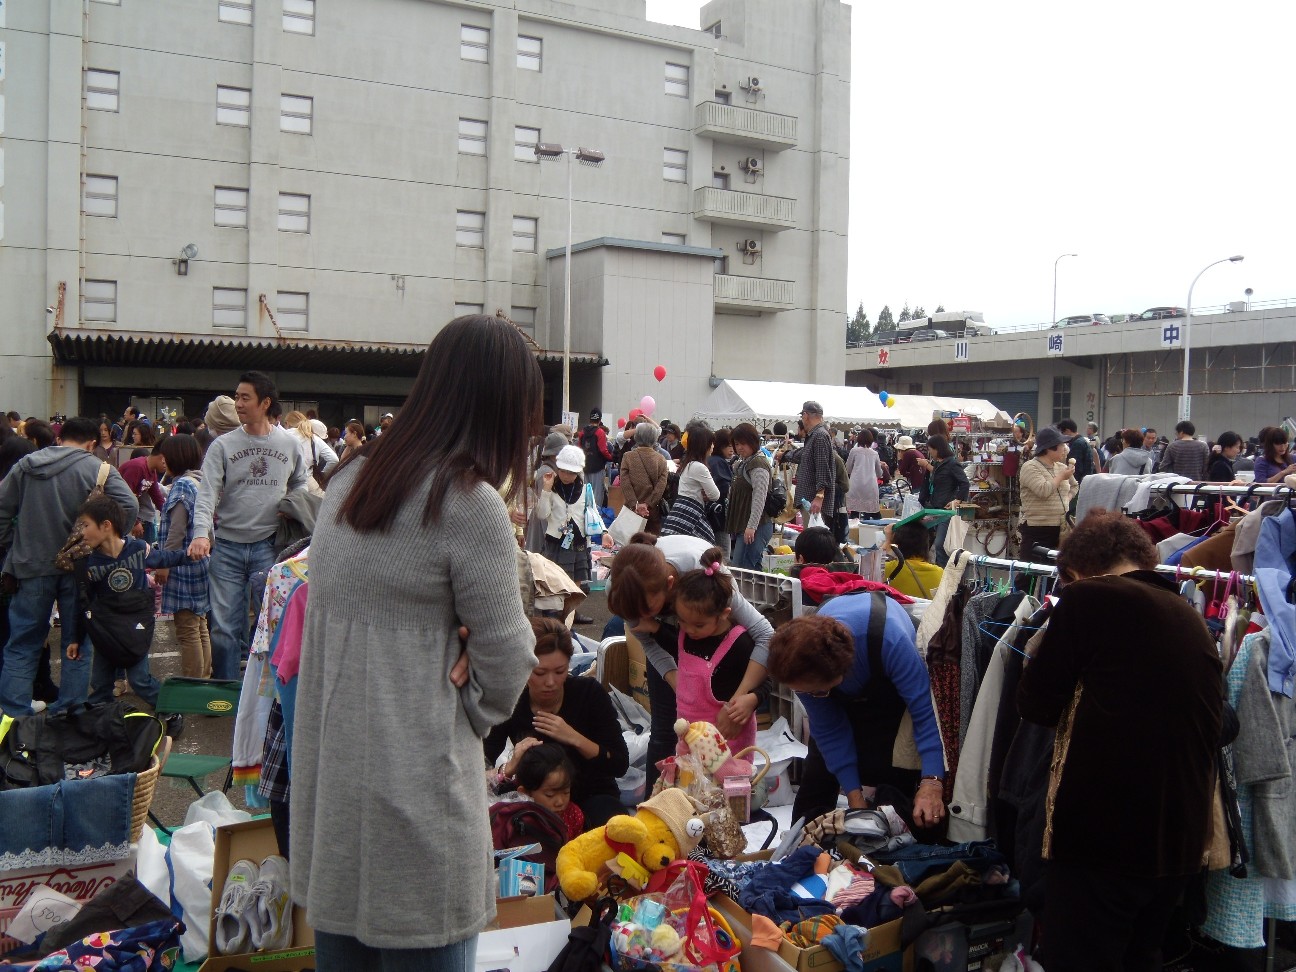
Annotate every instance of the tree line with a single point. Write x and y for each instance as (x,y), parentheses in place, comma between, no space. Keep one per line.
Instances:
(859,330)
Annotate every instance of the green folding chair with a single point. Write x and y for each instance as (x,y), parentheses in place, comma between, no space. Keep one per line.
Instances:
(198,696)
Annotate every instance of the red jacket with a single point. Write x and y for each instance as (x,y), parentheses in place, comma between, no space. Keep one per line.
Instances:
(139,477)
(819,583)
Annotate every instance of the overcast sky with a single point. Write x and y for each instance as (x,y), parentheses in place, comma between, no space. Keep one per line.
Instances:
(1150,138)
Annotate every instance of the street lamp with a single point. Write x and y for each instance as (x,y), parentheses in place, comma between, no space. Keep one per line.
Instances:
(1055,263)
(549,152)
(1185,402)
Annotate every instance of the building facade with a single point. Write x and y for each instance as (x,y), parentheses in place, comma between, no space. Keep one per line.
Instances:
(314,187)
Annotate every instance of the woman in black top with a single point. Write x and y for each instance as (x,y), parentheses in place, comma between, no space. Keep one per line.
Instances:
(577,714)
(1220,467)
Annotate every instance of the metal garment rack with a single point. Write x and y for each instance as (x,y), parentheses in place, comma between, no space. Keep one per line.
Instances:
(1252,491)
(1171,570)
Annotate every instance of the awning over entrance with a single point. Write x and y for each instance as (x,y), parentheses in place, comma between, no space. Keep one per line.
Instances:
(82,346)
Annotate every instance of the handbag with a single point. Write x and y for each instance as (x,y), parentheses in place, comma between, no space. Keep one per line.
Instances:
(594,525)
(74,547)
(718,515)
(626,525)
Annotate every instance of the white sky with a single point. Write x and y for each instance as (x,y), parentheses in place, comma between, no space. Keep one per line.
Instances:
(1149,137)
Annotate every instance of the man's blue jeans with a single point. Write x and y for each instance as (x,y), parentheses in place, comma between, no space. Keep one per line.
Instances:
(230,577)
(29,617)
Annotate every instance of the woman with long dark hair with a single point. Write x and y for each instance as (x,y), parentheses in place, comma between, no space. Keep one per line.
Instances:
(413,550)
(697,488)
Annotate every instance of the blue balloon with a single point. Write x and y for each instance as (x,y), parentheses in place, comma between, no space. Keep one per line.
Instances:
(882,396)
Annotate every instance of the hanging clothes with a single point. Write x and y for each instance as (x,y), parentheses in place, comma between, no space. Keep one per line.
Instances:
(1274,558)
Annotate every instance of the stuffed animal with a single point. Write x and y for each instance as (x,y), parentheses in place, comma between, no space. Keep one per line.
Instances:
(706,744)
(663,829)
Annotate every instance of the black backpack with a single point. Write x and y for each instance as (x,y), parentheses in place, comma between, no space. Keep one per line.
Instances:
(120,623)
(82,742)
(776,496)
(594,458)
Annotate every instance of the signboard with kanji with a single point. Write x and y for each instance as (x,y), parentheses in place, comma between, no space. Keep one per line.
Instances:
(1055,344)
(1171,334)
(884,356)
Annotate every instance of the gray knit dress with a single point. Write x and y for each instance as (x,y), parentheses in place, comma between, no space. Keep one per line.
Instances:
(390,834)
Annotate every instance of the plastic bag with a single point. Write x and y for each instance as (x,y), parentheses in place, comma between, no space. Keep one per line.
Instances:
(911,506)
(214,808)
(593,520)
(816,520)
(181,875)
(626,525)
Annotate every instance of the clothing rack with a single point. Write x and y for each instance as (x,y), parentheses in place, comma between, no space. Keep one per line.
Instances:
(1263,490)
(1170,570)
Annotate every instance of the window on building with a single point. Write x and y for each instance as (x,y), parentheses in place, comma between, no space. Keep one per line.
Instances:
(233,106)
(675,165)
(713,30)
(99,300)
(296,113)
(231,207)
(474,43)
(524,317)
(234,11)
(470,228)
(472,137)
(675,239)
(463,310)
(722,264)
(102,88)
(524,142)
(229,307)
(525,229)
(724,97)
(299,16)
(1061,398)
(294,213)
(915,388)
(292,311)
(529,53)
(677,81)
(720,180)
(100,196)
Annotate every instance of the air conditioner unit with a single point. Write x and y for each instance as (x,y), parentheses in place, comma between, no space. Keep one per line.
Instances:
(748,246)
(751,84)
(752,165)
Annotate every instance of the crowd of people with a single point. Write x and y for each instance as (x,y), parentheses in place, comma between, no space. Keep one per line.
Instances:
(428,698)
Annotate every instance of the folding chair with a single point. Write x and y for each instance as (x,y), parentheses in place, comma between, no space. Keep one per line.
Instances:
(198,696)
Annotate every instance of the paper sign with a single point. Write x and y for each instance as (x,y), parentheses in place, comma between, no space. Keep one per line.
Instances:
(45,909)
(572,420)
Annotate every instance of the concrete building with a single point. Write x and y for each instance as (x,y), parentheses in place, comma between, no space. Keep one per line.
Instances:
(351,174)
(1243,372)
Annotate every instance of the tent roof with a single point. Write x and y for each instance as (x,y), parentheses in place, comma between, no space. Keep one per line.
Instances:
(765,402)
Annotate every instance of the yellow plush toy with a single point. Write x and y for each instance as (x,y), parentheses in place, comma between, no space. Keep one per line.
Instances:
(663,829)
(706,744)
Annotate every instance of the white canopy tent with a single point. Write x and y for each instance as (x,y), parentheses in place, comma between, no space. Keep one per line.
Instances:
(765,402)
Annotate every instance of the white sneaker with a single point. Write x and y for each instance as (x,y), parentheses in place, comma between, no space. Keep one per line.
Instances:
(37,705)
(272,913)
(233,928)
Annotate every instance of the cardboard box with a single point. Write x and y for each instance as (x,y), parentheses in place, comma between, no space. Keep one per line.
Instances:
(777,563)
(255,841)
(964,946)
(526,935)
(79,883)
(883,952)
(637,662)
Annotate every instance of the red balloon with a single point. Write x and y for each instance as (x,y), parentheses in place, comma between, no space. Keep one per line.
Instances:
(635,413)
(659,373)
(621,423)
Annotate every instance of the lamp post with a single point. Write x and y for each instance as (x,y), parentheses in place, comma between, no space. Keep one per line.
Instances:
(1185,402)
(1055,263)
(549,151)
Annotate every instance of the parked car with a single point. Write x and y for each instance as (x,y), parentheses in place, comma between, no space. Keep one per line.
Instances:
(1161,313)
(1082,319)
(930,334)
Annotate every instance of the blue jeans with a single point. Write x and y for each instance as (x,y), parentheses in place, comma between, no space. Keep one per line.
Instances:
(29,617)
(230,577)
(103,673)
(939,557)
(748,555)
(342,953)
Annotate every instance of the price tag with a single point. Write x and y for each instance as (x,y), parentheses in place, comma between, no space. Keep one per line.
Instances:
(45,909)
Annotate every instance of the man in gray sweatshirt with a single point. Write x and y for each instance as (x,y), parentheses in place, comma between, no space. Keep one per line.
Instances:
(39,500)
(245,474)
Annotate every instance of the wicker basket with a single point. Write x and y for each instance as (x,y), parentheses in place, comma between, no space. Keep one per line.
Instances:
(145,784)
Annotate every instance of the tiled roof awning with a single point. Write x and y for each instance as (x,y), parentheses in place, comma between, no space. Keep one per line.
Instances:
(80,346)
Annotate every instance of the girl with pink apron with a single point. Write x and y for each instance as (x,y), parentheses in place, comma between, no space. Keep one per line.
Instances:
(694,695)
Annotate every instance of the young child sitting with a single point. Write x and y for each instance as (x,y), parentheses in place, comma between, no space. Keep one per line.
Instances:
(823,575)
(117,565)
(712,652)
(544,777)
(913,572)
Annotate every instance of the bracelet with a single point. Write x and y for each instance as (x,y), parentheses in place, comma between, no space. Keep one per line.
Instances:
(931,781)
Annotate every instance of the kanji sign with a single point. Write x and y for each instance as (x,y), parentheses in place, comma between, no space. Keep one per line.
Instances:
(1171,334)
(960,350)
(884,356)
(1055,344)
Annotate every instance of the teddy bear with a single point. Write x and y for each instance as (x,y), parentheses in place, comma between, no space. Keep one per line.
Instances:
(663,829)
(706,744)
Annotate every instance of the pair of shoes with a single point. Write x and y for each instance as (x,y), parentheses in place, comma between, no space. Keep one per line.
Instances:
(255,910)
(174,725)
(584,619)
(121,687)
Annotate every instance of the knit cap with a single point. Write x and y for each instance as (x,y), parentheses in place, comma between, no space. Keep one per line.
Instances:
(221,416)
(676,812)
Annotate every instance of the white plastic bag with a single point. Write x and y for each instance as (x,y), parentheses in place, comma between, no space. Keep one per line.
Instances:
(816,520)
(911,506)
(181,876)
(626,525)
(955,534)
(214,808)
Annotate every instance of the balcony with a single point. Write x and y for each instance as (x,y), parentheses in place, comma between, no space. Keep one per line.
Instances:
(750,209)
(746,126)
(748,294)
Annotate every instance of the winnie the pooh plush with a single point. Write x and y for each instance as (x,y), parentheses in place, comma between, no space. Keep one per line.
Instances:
(663,829)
